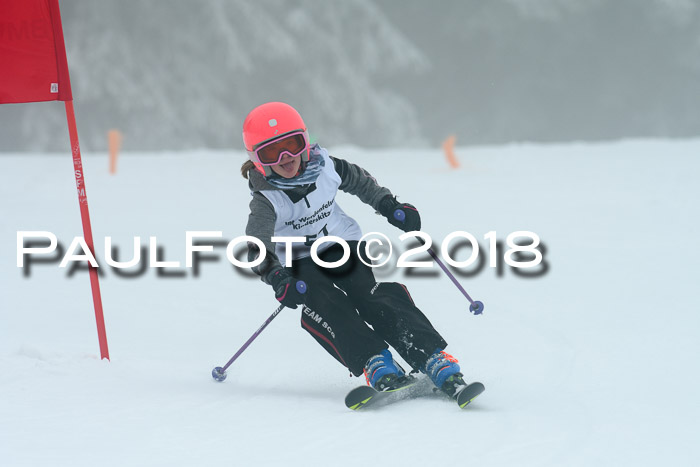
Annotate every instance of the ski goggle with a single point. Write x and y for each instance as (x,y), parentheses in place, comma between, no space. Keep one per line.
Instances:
(271,152)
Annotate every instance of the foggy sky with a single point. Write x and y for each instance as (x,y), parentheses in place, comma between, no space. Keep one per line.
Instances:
(182,74)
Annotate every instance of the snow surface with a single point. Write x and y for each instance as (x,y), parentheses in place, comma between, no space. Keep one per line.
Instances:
(593,363)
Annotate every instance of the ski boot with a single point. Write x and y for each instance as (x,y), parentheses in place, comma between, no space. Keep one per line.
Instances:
(383,374)
(443,370)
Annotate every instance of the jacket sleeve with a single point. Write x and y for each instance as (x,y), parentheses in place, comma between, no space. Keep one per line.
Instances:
(261,225)
(357,181)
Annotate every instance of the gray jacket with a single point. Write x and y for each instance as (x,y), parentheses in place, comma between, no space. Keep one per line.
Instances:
(261,220)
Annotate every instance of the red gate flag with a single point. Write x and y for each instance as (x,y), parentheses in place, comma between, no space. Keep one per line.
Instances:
(33,68)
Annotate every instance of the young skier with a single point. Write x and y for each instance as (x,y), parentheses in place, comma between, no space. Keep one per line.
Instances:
(294,185)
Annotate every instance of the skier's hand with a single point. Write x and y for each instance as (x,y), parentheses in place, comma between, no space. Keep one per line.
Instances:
(286,290)
(411,219)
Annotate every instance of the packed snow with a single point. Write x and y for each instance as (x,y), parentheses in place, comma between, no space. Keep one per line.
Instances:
(591,362)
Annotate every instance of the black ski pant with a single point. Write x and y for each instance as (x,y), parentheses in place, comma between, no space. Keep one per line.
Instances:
(342,303)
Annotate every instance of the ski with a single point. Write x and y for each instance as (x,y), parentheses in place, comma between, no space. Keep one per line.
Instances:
(365,396)
(468,394)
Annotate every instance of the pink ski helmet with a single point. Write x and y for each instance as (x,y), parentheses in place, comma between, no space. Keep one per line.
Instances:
(267,124)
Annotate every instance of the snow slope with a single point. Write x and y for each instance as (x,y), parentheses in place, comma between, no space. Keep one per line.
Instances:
(592,363)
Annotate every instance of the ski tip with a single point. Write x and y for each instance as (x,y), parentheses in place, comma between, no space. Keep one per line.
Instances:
(478,385)
(359,397)
(468,394)
(360,404)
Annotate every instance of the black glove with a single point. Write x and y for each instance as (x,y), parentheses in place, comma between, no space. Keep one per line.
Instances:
(411,219)
(285,287)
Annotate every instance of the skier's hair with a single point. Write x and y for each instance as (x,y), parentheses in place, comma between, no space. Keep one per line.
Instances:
(247,165)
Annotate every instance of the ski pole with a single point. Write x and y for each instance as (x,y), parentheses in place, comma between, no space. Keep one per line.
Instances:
(476,307)
(219,373)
